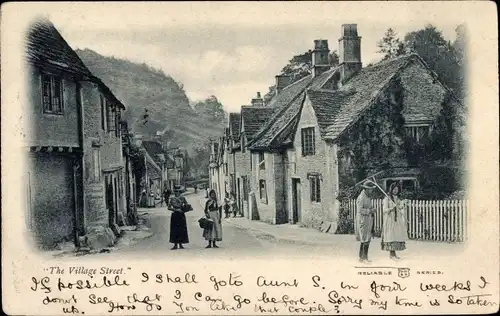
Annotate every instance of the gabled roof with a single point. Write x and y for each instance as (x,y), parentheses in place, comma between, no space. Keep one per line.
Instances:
(234,125)
(253,118)
(49,51)
(326,106)
(358,93)
(278,130)
(154,149)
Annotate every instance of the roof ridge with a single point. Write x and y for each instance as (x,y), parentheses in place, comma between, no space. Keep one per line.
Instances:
(275,116)
(291,119)
(373,97)
(296,82)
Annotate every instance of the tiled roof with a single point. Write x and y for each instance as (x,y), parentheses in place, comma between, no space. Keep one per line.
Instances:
(47,49)
(254,117)
(326,106)
(234,125)
(277,131)
(359,92)
(154,149)
(152,170)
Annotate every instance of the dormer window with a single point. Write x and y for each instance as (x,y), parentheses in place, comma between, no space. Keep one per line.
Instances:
(417,132)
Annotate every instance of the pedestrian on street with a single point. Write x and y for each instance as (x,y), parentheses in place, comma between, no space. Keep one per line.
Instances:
(166,195)
(178,226)
(364,222)
(213,211)
(394,231)
(234,205)
(227,207)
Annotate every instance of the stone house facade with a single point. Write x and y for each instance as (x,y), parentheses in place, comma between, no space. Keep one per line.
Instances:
(309,141)
(305,150)
(75,172)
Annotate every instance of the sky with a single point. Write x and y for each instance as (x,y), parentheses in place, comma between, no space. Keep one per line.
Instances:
(233,50)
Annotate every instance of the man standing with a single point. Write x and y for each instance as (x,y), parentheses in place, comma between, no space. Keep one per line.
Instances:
(364,221)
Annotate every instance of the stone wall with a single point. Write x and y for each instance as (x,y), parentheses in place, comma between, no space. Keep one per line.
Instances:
(51,129)
(52,197)
(322,163)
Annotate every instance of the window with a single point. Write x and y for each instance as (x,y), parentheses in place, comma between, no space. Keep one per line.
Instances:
(52,94)
(96,159)
(417,133)
(117,122)
(308,147)
(262,162)
(407,184)
(263,191)
(110,110)
(103,112)
(315,187)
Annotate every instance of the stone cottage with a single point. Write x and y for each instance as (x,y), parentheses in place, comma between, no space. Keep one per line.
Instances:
(312,148)
(272,146)
(75,172)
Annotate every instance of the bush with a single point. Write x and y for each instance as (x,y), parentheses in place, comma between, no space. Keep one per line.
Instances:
(345,224)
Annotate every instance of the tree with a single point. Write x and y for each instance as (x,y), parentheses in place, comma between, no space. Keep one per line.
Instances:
(438,53)
(200,160)
(390,45)
(212,107)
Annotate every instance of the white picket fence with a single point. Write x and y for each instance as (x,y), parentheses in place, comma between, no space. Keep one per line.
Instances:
(437,220)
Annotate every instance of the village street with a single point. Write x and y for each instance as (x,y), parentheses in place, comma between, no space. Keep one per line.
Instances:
(243,239)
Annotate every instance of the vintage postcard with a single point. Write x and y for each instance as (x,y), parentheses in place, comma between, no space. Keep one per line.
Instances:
(250,158)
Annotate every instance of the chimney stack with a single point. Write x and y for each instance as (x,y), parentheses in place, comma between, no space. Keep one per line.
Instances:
(258,101)
(320,61)
(281,82)
(349,51)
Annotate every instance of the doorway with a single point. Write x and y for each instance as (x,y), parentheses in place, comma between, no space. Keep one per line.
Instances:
(239,194)
(296,198)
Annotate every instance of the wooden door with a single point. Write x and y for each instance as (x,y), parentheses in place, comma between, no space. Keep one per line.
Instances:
(296,200)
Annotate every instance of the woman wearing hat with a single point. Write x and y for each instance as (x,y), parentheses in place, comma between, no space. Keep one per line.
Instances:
(213,211)
(178,226)
(364,222)
(394,231)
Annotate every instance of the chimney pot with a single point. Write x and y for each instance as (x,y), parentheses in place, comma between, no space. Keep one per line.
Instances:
(349,51)
(281,82)
(258,101)
(320,58)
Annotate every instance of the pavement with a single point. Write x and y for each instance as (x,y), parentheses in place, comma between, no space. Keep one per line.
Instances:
(245,239)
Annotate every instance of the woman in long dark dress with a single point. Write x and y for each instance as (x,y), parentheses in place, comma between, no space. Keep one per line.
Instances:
(213,211)
(178,226)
